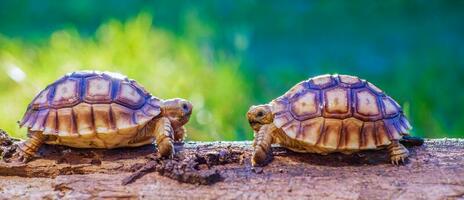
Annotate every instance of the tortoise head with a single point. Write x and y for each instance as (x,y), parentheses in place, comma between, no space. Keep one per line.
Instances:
(177,110)
(259,116)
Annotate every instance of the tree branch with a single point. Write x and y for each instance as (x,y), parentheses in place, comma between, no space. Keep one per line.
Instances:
(223,170)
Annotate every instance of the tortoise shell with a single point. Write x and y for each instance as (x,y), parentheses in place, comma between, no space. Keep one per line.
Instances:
(91,104)
(339,112)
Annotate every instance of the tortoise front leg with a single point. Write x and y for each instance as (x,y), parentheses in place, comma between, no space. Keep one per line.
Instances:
(27,149)
(262,145)
(164,135)
(398,153)
(179,134)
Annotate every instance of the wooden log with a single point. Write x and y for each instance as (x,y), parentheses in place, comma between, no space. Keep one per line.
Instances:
(212,170)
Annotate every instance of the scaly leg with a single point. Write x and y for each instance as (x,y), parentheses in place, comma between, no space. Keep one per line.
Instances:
(398,153)
(27,149)
(262,145)
(164,134)
(179,134)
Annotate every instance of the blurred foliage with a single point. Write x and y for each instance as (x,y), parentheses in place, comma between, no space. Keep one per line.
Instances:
(226,55)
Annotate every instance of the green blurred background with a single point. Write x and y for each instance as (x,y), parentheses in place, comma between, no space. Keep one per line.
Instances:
(226,55)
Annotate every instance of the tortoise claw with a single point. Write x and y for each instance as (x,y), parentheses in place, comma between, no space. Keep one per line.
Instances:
(398,153)
(20,157)
(166,149)
(398,159)
(395,162)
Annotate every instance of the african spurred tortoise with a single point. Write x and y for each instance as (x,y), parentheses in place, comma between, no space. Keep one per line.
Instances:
(330,113)
(90,109)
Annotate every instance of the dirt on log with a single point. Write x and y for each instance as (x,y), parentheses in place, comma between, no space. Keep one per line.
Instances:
(215,170)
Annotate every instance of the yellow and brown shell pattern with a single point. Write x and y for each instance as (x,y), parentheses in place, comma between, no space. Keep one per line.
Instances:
(91,104)
(339,113)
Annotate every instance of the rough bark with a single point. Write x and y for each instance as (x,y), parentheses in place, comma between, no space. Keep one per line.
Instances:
(222,170)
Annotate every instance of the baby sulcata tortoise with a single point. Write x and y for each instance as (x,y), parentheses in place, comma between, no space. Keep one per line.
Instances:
(330,113)
(90,109)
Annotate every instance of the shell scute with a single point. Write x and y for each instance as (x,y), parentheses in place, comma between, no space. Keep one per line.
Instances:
(123,118)
(155,102)
(374,88)
(405,123)
(51,123)
(141,118)
(40,120)
(292,128)
(350,81)
(281,119)
(311,130)
(366,104)
(306,105)
(351,132)
(337,101)
(151,110)
(389,107)
(279,105)
(321,82)
(67,93)
(331,134)
(128,95)
(42,99)
(368,136)
(381,133)
(27,116)
(401,128)
(66,122)
(140,87)
(84,119)
(103,119)
(30,120)
(393,128)
(98,89)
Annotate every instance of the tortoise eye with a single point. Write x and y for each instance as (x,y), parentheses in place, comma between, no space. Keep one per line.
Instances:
(260,114)
(185,107)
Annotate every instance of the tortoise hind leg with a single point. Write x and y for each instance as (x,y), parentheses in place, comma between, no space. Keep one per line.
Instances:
(27,149)
(397,152)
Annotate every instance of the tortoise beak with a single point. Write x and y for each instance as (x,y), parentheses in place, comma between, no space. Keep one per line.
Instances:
(252,122)
(255,124)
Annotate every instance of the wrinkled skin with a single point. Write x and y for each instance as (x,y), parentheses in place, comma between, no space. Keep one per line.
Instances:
(260,119)
(259,116)
(178,112)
